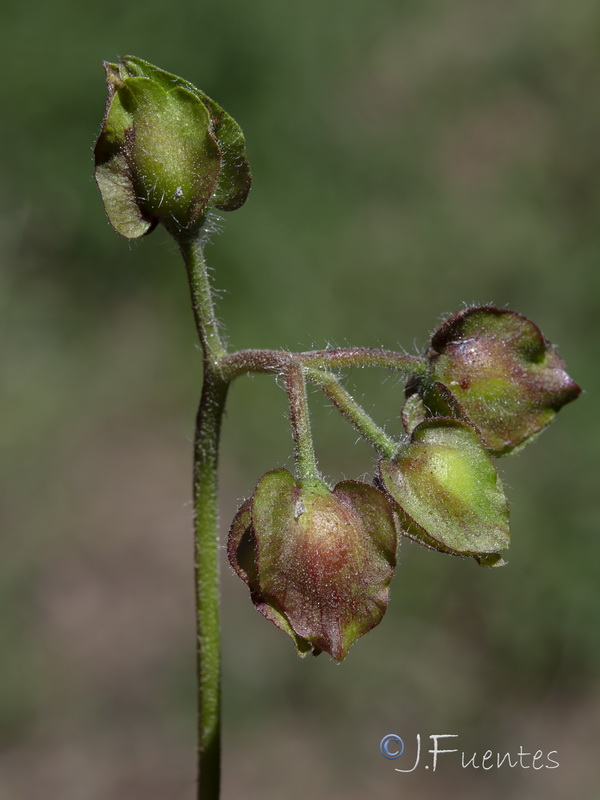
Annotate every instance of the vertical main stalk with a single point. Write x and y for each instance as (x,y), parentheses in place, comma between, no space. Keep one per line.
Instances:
(206,551)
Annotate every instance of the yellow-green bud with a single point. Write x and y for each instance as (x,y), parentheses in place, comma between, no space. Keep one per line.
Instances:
(447,491)
(167,153)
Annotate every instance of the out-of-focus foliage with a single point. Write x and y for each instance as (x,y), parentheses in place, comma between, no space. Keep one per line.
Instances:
(408,157)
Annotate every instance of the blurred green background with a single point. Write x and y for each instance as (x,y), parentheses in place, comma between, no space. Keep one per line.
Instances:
(408,157)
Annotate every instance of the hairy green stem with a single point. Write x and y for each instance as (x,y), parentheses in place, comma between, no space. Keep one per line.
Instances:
(207,324)
(206,524)
(245,362)
(353,412)
(206,551)
(304,453)
(364,357)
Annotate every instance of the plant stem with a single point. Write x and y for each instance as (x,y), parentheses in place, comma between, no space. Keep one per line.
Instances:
(206,551)
(304,453)
(364,357)
(207,324)
(244,362)
(353,412)
(206,523)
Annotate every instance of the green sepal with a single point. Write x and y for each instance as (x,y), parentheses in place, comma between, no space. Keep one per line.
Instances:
(112,172)
(235,178)
(413,412)
(241,551)
(447,491)
(174,156)
(166,153)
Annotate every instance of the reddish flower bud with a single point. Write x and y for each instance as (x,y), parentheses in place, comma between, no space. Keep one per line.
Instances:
(494,369)
(447,491)
(318,563)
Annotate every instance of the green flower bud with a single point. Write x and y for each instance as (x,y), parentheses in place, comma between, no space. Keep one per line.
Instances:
(318,563)
(166,153)
(447,492)
(494,369)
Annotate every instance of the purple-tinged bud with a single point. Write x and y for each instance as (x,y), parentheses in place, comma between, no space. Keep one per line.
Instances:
(494,369)
(318,563)
(447,492)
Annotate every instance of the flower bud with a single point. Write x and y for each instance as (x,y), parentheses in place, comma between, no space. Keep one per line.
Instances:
(447,492)
(166,153)
(318,563)
(494,369)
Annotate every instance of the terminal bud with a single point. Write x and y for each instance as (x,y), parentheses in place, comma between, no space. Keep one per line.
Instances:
(494,369)
(166,152)
(447,492)
(318,562)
